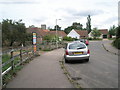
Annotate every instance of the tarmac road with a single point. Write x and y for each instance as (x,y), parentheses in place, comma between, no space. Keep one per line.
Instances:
(100,72)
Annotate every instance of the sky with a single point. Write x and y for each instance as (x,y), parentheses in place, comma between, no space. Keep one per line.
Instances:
(104,13)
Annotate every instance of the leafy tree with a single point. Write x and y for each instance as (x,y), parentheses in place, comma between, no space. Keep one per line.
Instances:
(112,31)
(88,24)
(116,42)
(58,27)
(75,25)
(13,31)
(118,32)
(68,29)
(95,33)
(50,37)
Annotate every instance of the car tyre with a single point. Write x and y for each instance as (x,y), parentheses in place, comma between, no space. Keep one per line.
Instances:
(66,61)
(87,60)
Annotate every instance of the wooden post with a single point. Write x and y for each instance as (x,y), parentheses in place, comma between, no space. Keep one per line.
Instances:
(12,63)
(21,57)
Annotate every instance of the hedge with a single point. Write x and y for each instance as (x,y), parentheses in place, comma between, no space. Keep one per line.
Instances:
(116,43)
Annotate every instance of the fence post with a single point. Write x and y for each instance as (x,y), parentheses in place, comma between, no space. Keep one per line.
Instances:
(21,62)
(12,63)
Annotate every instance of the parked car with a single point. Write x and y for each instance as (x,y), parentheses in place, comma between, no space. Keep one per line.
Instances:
(76,51)
(84,41)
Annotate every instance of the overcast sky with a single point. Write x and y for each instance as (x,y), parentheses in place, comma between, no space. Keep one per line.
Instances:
(104,13)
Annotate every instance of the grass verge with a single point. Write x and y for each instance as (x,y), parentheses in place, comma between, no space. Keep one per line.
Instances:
(75,83)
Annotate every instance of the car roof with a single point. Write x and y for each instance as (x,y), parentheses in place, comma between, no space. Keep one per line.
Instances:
(76,42)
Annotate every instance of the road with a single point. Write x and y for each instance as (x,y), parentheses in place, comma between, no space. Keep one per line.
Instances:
(100,72)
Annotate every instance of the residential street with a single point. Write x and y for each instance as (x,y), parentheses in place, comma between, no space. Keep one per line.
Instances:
(100,72)
(45,72)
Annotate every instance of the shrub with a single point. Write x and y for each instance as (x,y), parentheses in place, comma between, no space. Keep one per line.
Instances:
(94,38)
(116,43)
(68,39)
(89,38)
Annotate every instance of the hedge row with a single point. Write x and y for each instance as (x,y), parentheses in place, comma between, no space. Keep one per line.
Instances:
(116,43)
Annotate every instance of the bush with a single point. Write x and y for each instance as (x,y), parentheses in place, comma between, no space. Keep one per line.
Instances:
(68,39)
(116,43)
(94,38)
(89,38)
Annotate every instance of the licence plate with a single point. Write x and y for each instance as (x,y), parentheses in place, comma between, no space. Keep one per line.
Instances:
(78,52)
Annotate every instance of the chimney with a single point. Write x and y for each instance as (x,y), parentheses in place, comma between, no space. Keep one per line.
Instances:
(43,26)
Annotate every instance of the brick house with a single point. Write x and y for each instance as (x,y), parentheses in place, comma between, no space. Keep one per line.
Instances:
(41,33)
(104,33)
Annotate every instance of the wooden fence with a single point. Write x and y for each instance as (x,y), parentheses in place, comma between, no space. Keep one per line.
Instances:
(14,58)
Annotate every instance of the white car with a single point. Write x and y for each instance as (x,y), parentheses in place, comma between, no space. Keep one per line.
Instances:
(76,51)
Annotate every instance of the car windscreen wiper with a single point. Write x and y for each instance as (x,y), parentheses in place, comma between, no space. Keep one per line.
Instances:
(80,47)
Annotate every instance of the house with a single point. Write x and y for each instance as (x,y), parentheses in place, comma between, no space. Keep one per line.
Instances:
(104,33)
(42,32)
(59,33)
(78,34)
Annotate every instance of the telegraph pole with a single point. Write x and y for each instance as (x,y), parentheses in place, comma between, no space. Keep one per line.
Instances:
(56,34)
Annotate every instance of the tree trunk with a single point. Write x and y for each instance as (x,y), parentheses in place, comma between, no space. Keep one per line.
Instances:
(11,43)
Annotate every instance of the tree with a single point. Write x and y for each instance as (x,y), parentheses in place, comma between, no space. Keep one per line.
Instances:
(95,33)
(75,25)
(13,31)
(58,27)
(116,42)
(118,32)
(88,24)
(68,29)
(112,31)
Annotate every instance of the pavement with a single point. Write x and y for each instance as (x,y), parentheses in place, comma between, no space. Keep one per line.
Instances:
(42,72)
(107,44)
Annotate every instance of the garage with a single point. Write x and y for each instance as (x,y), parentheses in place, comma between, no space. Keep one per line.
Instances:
(104,36)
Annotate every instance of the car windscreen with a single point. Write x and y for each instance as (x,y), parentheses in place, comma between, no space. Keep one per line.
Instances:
(77,46)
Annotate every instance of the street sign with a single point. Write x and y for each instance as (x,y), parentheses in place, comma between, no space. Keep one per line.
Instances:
(34,39)
(34,42)
(35,48)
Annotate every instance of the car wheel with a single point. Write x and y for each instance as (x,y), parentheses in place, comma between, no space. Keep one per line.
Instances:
(66,61)
(87,60)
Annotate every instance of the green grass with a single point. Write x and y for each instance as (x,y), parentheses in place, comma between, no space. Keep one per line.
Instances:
(5,58)
(46,50)
(6,78)
(111,38)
